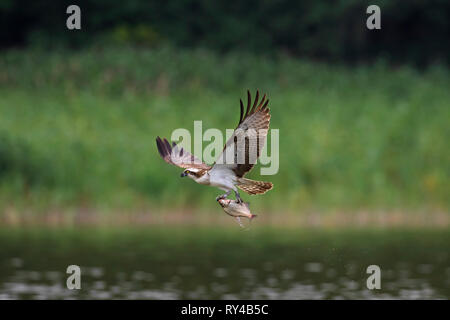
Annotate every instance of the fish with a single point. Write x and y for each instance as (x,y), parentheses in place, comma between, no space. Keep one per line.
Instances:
(236,209)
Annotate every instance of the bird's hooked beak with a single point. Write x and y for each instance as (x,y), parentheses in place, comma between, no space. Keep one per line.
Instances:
(183,174)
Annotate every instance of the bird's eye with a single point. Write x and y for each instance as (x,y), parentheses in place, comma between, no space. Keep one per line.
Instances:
(187,171)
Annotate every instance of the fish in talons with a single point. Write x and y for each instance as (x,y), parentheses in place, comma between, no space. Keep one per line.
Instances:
(236,209)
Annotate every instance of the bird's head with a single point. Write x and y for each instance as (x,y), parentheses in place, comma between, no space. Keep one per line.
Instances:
(191,173)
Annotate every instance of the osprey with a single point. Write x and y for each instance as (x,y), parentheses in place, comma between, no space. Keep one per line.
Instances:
(243,147)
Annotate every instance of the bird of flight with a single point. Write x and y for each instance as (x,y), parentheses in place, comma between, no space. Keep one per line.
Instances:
(237,158)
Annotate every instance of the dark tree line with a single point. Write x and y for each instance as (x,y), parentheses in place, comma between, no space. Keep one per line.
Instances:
(414,31)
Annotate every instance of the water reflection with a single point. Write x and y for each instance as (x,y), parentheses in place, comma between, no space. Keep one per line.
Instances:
(38,272)
(25,284)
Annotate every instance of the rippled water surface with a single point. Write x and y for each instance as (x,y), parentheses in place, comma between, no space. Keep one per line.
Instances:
(187,263)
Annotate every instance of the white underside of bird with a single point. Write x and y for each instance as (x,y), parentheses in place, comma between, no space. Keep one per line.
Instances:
(219,176)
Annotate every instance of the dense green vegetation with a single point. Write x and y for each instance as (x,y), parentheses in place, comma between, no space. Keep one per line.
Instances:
(78,128)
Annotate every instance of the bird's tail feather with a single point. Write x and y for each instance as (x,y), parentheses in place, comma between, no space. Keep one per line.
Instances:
(254,187)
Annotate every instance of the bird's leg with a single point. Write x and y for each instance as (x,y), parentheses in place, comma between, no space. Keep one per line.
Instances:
(238,197)
(223,196)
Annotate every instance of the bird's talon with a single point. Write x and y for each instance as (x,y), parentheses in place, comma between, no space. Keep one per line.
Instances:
(223,196)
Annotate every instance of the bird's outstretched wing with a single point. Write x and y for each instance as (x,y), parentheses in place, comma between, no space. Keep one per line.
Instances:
(245,145)
(176,155)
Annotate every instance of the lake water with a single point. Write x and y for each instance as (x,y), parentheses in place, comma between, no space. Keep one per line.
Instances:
(210,263)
